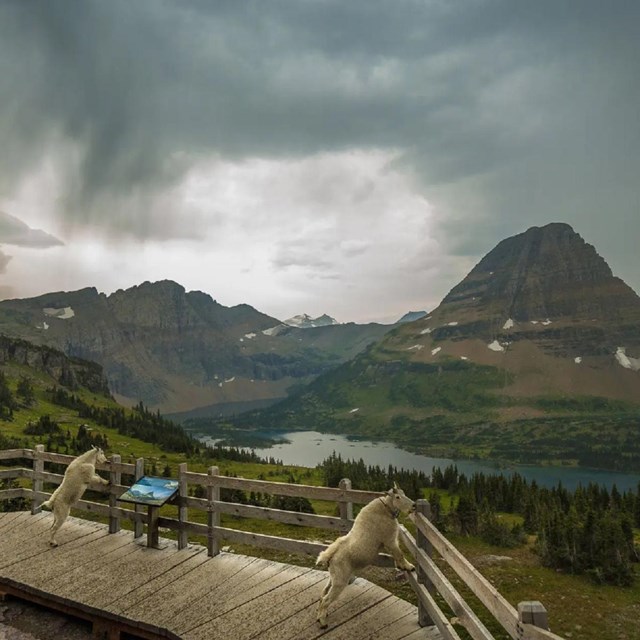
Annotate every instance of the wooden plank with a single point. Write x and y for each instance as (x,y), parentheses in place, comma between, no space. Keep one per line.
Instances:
(27,538)
(284,489)
(36,571)
(272,576)
(373,619)
(7,517)
(430,633)
(183,511)
(81,546)
(275,515)
(38,467)
(15,454)
(439,619)
(15,472)
(168,601)
(213,517)
(350,605)
(186,561)
(287,622)
(242,622)
(103,582)
(115,478)
(458,605)
(406,627)
(90,566)
(490,597)
(10,494)
(269,542)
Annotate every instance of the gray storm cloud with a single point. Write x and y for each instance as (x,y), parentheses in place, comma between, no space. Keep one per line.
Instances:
(509,113)
(16,232)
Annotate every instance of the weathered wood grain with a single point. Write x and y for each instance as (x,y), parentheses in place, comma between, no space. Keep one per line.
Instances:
(121,584)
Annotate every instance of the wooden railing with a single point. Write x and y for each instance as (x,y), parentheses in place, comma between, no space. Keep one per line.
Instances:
(527,622)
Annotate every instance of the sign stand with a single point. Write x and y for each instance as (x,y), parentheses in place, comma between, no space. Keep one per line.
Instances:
(152,492)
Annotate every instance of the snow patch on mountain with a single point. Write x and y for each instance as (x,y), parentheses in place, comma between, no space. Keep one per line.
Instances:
(495,346)
(64,314)
(304,321)
(627,361)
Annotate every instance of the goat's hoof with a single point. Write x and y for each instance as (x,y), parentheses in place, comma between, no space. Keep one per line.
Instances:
(53,544)
(323,625)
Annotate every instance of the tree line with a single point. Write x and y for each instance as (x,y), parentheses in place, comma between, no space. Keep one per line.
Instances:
(587,531)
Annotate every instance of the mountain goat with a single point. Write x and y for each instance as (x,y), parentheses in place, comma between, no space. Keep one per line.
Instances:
(375,528)
(80,473)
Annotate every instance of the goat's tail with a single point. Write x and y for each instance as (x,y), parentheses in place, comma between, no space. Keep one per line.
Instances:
(46,504)
(324,557)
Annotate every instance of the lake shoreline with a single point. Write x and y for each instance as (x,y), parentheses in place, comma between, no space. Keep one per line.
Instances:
(309,448)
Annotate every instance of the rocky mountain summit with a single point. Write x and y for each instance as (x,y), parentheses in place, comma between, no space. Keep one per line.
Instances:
(177,350)
(544,293)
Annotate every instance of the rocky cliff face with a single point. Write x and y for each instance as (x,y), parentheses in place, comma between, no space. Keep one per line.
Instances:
(544,305)
(177,350)
(546,272)
(69,372)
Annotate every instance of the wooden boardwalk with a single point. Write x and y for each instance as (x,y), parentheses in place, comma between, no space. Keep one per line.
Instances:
(121,585)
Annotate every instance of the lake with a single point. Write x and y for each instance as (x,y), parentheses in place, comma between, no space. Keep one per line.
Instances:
(309,448)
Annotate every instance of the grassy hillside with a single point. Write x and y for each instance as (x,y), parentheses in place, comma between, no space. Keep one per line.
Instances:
(457,408)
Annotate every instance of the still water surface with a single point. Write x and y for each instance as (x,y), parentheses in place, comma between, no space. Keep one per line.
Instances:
(309,448)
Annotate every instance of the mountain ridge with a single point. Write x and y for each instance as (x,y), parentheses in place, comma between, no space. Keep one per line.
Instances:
(177,350)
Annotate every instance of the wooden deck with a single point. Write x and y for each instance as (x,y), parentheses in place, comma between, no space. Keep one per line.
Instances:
(121,585)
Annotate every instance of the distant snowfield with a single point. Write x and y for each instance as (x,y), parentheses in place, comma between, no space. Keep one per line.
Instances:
(627,361)
(417,347)
(495,346)
(577,360)
(427,330)
(508,324)
(436,350)
(63,314)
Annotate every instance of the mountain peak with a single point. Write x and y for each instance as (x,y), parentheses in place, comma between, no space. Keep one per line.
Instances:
(543,272)
(305,321)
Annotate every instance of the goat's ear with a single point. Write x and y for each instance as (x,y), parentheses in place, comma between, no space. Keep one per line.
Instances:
(395,486)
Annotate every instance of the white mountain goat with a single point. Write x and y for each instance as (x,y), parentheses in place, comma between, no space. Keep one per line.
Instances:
(79,475)
(375,528)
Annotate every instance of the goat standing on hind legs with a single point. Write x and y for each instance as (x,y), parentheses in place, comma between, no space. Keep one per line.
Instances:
(375,528)
(80,473)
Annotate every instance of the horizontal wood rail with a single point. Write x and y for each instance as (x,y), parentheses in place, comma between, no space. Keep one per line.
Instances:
(527,622)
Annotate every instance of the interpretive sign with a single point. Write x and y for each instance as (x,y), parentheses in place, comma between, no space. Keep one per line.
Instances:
(151,491)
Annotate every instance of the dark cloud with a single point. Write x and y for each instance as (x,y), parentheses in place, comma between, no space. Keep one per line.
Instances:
(16,232)
(508,113)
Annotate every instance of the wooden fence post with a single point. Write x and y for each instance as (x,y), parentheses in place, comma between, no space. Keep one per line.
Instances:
(532,612)
(346,508)
(213,516)
(38,469)
(115,478)
(183,512)
(138,527)
(424,619)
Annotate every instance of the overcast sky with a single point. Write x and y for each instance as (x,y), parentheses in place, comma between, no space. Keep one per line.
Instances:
(354,158)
